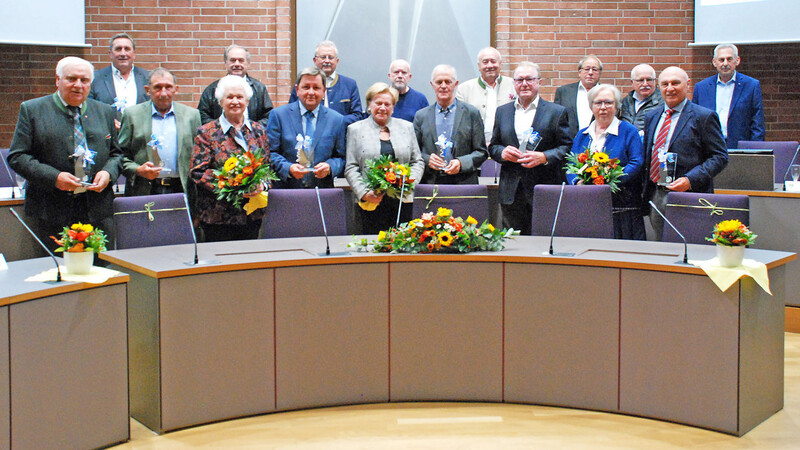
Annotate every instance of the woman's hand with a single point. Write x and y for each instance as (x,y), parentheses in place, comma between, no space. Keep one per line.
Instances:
(372,197)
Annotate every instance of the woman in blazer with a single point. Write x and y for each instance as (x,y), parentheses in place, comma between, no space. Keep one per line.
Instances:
(380,134)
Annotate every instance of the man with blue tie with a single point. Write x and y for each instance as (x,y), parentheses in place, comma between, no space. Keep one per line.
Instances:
(734,96)
(306,139)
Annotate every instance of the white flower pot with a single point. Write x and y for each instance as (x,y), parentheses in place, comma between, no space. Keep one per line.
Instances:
(79,263)
(730,256)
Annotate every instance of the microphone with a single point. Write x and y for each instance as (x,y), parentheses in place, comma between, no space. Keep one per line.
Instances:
(196,261)
(555,220)
(788,168)
(13,179)
(325,229)
(400,206)
(685,245)
(58,269)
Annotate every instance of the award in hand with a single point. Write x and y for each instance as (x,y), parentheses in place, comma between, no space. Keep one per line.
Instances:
(445,147)
(668,163)
(305,154)
(531,139)
(156,146)
(84,161)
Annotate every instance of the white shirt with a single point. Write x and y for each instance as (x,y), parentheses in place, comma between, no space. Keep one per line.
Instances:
(724,97)
(582,105)
(125,89)
(491,108)
(523,119)
(599,141)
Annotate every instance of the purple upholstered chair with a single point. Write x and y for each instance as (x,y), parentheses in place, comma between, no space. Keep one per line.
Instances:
(151,221)
(464,199)
(295,213)
(695,214)
(783,151)
(585,211)
(5,181)
(490,168)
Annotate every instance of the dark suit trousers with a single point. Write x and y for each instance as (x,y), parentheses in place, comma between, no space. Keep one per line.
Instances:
(518,214)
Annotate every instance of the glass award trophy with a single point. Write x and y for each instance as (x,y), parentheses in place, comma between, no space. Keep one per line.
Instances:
(155,146)
(445,147)
(305,154)
(667,168)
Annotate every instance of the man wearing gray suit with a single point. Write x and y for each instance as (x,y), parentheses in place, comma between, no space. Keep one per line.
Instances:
(121,84)
(162,124)
(450,134)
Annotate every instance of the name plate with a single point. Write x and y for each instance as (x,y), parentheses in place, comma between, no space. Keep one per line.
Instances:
(793,186)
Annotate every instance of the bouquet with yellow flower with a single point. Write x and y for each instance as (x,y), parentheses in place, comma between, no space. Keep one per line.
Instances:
(732,233)
(241,174)
(440,232)
(595,167)
(81,237)
(384,174)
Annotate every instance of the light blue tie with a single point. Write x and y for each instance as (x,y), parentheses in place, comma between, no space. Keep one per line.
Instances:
(309,123)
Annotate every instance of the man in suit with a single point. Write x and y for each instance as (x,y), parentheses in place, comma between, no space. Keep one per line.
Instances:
(522,167)
(341,93)
(410,100)
(237,62)
(643,98)
(734,96)
(54,134)
(450,134)
(121,84)
(688,130)
(574,96)
(301,163)
(489,90)
(173,125)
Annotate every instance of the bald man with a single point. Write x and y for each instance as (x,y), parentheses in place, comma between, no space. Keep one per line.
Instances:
(488,91)
(410,100)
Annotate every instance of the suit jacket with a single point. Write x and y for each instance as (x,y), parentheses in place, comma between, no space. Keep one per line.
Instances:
(567,96)
(40,150)
(364,144)
(343,97)
(103,89)
(135,133)
(469,143)
(746,115)
(553,126)
(258,108)
(474,92)
(698,141)
(327,143)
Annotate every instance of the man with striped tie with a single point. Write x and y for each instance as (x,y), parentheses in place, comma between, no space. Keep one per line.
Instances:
(681,129)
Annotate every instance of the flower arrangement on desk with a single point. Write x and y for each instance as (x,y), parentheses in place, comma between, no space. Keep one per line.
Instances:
(241,174)
(595,167)
(81,237)
(732,233)
(440,232)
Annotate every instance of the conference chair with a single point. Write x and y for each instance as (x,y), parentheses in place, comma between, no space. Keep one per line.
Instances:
(490,168)
(783,151)
(151,221)
(585,211)
(464,199)
(695,214)
(5,179)
(295,213)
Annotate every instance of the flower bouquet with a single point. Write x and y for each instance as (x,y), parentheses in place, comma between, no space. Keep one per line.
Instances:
(242,173)
(79,243)
(595,167)
(731,237)
(384,174)
(440,232)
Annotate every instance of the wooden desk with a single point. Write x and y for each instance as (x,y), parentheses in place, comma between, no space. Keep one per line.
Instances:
(621,327)
(63,361)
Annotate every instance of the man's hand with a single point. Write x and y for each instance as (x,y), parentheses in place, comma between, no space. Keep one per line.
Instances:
(100,181)
(148,170)
(682,184)
(297,170)
(511,154)
(67,182)
(436,162)
(453,167)
(322,170)
(532,159)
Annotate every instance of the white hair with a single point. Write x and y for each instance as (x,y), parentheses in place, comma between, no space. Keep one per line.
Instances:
(444,68)
(724,46)
(230,81)
(327,44)
(73,61)
(642,66)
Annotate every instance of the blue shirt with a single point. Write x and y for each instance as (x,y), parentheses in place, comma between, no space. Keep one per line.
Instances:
(724,97)
(445,119)
(314,115)
(165,129)
(408,104)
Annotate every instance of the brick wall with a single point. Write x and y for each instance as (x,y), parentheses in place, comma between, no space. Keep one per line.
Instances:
(188,36)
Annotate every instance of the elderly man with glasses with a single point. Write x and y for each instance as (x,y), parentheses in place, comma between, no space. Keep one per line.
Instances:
(642,98)
(573,96)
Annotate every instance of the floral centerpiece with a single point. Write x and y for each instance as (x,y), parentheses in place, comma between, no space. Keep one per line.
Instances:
(595,167)
(385,175)
(79,243)
(440,232)
(241,174)
(731,237)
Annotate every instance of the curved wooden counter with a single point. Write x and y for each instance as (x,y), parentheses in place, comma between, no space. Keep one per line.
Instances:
(620,327)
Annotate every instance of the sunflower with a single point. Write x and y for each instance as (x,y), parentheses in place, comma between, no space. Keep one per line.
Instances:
(600,157)
(230,164)
(445,238)
(728,226)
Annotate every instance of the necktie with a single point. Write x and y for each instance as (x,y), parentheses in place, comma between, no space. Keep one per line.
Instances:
(80,137)
(661,141)
(309,123)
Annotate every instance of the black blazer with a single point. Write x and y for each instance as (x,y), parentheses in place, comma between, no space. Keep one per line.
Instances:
(258,108)
(567,96)
(103,89)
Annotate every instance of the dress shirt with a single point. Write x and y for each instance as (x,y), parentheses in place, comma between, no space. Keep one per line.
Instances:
(676,114)
(491,106)
(583,107)
(724,97)
(125,89)
(165,128)
(599,141)
(237,134)
(328,83)
(523,119)
(314,115)
(445,120)
(637,101)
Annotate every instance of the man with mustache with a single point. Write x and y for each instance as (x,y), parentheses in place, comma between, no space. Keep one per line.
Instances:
(642,98)
(489,90)
(121,84)
(734,96)
(573,96)
(237,61)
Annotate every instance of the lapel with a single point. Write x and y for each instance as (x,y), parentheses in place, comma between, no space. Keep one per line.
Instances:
(318,130)
(538,120)
(651,130)
(459,115)
(737,91)
(147,122)
(295,121)
(686,115)
(108,82)
(430,126)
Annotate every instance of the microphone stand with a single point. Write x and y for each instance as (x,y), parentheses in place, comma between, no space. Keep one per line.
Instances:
(58,269)
(400,207)
(13,179)
(685,244)
(555,220)
(325,229)
(196,261)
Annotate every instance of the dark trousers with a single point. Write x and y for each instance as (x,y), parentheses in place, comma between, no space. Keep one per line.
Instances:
(384,216)
(220,233)
(518,214)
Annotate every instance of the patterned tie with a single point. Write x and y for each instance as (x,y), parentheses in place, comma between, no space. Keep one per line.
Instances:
(80,137)
(661,141)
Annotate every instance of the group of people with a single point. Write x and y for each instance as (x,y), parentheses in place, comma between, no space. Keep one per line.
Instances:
(71,145)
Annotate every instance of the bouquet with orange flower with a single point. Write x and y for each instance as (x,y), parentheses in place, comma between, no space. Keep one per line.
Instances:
(384,174)
(440,232)
(81,237)
(595,167)
(732,233)
(241,174)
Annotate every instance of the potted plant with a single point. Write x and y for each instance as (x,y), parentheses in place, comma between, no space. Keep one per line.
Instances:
(79,243)
(731,237)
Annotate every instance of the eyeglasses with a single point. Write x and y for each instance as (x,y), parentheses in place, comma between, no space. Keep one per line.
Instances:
(644,80)
(529,80)
(591,69)
(324,57)
(606,103)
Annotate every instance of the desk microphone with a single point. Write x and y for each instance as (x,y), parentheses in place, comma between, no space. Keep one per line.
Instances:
(13,179)
(555,220)
(325,228)
(196,261)
(788,168)
(685,245)
(399,207)
(58,269)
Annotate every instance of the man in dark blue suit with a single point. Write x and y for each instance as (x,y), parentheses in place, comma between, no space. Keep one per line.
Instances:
(121,84)
(692,132)
(298,161)
(341,92)
(522,169)
(734,96)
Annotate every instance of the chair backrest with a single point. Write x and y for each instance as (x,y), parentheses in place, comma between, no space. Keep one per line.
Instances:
(464,199)
(151,221)
(5,179)
(490,168)
(585,211)
(782,150)
(695,214)
(295,213)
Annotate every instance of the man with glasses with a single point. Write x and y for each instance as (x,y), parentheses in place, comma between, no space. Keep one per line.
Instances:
(341,93)
(489,90)
(573,96)
(642,98)
(525,162)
